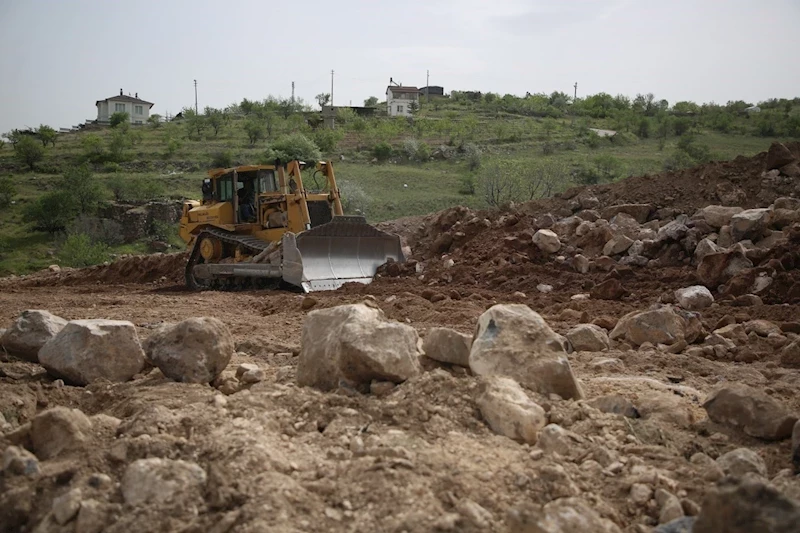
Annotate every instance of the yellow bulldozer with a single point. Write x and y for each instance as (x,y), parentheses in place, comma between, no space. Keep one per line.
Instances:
(258,226)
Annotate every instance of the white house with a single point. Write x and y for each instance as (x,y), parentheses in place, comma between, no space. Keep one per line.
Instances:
(399,100)
(137,109)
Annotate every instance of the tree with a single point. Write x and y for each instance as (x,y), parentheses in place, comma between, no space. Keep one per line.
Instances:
(14,136)
(501,184)
(254,130)
(93,149)
(47,135)
(372,101)
(28,151)
(194,122)
(51,212)
(154,120)
(120,117)
(294,146)
(118,142)
(413,107)
(247,106)
(643,130)
(323,99)
(84,187)
(215,118)
(7,191)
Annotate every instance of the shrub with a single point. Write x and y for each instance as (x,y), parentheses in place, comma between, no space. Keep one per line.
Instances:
(118,143)
(681,125)
(7,191)
(593,139)
(103,230)
(51,212)
(222,159)
(47,135)
(548,148)
(120,117)
(294,146)
(467,185)
(254,130)
(473,155)
(410,147)
(78,250)
(135,190)
(423,152)
(81,184)
(382,151)
(327,140)
(111,167)
(154,120)
(93,149)
(171,146)
(28,151)
(643,129)
(354,200)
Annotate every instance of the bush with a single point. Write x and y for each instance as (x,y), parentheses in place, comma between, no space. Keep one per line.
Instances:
(28,151)
(120,117)
(111,167)
(467,186)
(222,159)
(118,143)
(354,200)
(171,146)
(294,146)
(254,130)
(548,148)
(604,168)
(135,190)
(681,125)
(382,151)
(78,250)
(47,135)
(93,149)
(410,147)
(103,230)
(593,139)
(7,191)
(51,212)
(327,140)
(84,188)
(423,152)
(643,129)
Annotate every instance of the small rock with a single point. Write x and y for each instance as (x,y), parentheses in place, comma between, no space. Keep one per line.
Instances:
(30,332)
(514,341)
(751,410)
(92,517)
(580,264)
(716,269)
(750,224)
(66,506)
(253,376)
(640,493)
(381,388)
(157,480)
(59,430)
(547,241)
(640,212)
(554,438)
(742,461)
(85,351)
(610,289)
(662,325)
(308,302)
(694,298)
(790,355)
(671,508)
(588,338)
(705,247)
(717,216)
(195,350)
(477,515)
(55,269)
(18,461)
(617,245)
(509,411)
(544,288)
(447,346)
(563,515)
(615,404)
(244,368)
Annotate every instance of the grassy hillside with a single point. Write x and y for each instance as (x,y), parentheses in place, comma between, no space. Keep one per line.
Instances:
(472,149)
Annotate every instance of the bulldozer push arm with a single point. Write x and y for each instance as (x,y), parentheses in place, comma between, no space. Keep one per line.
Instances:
(299,237)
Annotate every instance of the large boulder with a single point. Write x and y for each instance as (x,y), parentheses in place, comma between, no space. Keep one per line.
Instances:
(195,350)
(750,224)
(509,411)
(617,245)
(156,481)
(742,461)
(717,216)
(715,269)
(547,241)
(32,329)
(355,343)
(778,156)
(694,298)
(641,212)
(563,515)
(747,506)
(90,350)
(658,326)
(588,338)
(59,430)
(754,412)
(705,247)
(514,341)
(447,346)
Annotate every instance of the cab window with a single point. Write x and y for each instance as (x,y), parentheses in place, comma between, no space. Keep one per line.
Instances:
(266,181)
(225,188)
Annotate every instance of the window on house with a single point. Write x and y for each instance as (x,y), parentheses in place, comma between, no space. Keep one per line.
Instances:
(119,107)
(399,109)
(138,110)
(138,122)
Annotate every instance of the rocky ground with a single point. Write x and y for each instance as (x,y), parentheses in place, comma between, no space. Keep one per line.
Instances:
(620,358)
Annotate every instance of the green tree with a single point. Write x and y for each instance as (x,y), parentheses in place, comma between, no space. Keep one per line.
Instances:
(327,139)
(14,136)
(154,120)
(78,251)
(93,149)
(194,123)
(7,191)
(294,146)
(372,101)
(28,151)
(643,129)
(120,117)
(254,130)
(216,118)
(118,143)
(47,135)
(247,106)
(84,187)
(51,212)
(681,125)
(323,99)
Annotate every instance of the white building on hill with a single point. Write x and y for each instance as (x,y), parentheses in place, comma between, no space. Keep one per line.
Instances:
(138,109)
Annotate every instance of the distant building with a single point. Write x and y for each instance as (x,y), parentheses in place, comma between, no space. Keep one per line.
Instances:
(137,109)
(400,100)
(753,109)
(329,113)
(432,90)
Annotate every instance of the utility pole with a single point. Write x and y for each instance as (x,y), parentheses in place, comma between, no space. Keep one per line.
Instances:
(427,86)
(292,93)
(576,92)
(331,87)
(196,112)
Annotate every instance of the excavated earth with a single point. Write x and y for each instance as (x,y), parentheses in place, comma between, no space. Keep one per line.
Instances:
(279,457)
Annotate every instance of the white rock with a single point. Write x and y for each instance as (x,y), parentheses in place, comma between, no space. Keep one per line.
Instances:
(661,325)
(704,248)
(717,216)
(89,350)
(580,263)
(66,506)
(694,298)
(588,338)
(244,368)
(253,376)
(31,331)
(742,461)
(195,350)
(509,411)
(749,224)
(447,346)
(563,515)
(156,480)
(544,288)
(356,343)
(617,245)
(59,430)
(514,341)
(547,241)
(640,493)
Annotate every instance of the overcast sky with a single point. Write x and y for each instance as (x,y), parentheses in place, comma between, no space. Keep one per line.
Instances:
(60,56)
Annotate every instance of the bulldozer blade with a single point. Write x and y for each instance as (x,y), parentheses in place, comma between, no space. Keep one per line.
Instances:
(344,250)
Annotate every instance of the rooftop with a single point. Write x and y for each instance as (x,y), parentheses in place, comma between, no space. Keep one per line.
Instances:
(126,98)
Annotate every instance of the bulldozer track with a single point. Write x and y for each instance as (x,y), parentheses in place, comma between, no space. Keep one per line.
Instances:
(254,246)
